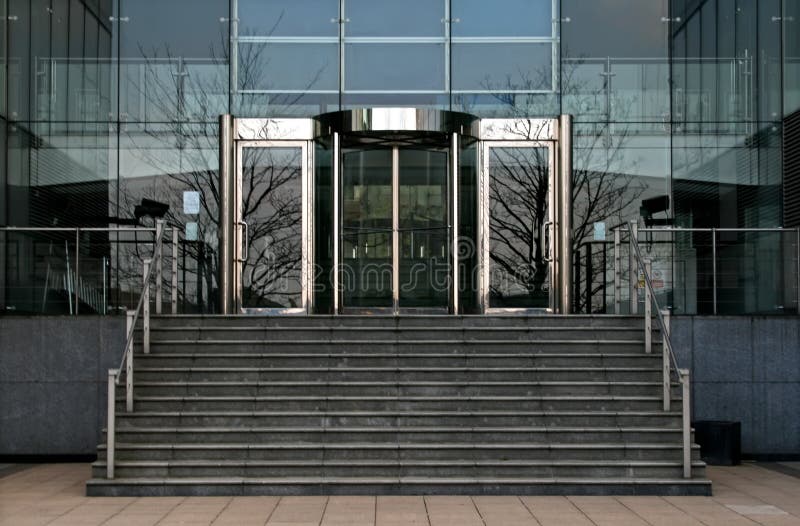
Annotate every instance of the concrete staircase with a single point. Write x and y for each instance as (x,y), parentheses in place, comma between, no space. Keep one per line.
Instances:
(398,405)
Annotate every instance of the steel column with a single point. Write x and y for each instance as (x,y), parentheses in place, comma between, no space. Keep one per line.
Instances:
(226,213)
(686,420)
(159,262)
(130,315)
(110,431)
(564,210)
(634,268)
(665,364)
(146,307)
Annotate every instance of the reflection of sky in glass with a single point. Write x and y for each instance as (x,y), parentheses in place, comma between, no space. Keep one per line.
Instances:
(617,28)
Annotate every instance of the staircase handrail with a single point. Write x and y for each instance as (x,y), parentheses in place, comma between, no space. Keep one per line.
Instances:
(114,375)
(670,361)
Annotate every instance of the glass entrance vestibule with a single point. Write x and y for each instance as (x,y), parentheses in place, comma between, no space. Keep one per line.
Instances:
(395,210)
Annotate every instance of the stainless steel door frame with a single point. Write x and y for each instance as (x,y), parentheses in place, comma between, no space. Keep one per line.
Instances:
(240,226)
(485,223)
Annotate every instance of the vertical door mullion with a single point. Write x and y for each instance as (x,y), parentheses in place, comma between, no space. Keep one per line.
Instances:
(305,291)
(396,230)
(453,179)
(337,231)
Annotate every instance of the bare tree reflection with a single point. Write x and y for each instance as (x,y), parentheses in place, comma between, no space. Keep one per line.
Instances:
(605,185)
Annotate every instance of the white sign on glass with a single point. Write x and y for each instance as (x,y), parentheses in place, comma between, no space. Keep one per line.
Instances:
(191,202)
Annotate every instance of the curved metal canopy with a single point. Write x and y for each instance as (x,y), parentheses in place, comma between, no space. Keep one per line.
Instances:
(378,121)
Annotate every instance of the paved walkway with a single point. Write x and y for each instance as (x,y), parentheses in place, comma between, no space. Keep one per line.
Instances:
(743,495)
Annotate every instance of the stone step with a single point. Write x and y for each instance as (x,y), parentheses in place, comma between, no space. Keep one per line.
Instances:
(398,468)
(305,345)
(330,419)
(317,360)
(399,389)
(324,334)
(464,375)
(430,434)
(403,321)
(402,451)
(397,486)
(598,402)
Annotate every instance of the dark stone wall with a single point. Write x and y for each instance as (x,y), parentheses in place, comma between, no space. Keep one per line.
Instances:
(54,369)
(745,368)
(53,377)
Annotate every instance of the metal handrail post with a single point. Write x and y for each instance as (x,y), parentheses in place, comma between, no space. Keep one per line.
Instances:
(174,291)
(77,265)
(129,363)
(146,307)
(159,263)
(634,270)
(110,427)
(648,320)
(617,271)
(687,437)
(666,381)
(714,267)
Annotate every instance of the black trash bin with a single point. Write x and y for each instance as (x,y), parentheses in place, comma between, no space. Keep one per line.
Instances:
(720,441)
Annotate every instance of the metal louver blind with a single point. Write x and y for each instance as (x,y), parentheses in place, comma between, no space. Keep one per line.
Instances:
(791,170)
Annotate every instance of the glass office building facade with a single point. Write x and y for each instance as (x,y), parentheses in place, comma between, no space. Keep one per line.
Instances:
(108,102)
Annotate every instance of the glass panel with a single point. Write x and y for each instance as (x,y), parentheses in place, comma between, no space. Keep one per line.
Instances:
(503,67)
(519,180)
(468,226)
(394,67)
(382,18)
(791,57)
(323,226)
(19,66)
(366,240)
(295,67)
(174,65)
(424,232)
(507,18)
(272,207)
(279,18)
(162,162)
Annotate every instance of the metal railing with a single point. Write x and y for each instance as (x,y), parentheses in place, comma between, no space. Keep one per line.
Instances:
(76,285)
(669,360)
(734,277)
(132,317)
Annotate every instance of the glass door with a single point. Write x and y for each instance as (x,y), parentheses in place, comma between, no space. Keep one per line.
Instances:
(367,225)
(518,226)
(423,230)
(272,224)
(395,235)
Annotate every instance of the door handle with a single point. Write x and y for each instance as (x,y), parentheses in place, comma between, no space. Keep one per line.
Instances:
(547,250)
(246,235)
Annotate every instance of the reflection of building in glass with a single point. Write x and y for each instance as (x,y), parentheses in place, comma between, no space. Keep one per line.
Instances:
(106,102)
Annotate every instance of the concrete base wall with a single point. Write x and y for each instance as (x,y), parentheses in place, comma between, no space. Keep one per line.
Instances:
(745,368)
(53,373)
(53,377)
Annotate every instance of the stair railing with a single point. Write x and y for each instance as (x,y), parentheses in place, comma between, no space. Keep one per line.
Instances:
(132,316)
(669,361)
